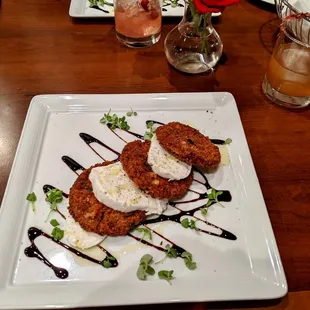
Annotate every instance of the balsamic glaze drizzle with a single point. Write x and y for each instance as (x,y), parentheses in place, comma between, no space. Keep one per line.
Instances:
(88,139)
(33,251)
(72,164)
(96,7)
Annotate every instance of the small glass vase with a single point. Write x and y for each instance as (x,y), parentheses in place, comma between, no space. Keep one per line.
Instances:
(191,48)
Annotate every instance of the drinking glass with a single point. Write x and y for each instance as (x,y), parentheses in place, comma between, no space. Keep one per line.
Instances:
(287,80)
(138,22)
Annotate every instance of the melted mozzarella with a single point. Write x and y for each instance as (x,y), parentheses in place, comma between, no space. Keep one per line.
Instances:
(166,165)
(112,187)
(78,237)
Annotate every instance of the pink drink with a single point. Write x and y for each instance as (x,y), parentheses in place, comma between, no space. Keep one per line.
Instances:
(138,21)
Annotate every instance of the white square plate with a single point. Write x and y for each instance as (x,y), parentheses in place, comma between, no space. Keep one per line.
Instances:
(246,268)
(81,9)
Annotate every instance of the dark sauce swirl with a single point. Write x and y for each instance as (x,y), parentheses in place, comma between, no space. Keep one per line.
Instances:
(33,251)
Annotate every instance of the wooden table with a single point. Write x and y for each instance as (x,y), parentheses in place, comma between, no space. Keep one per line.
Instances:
(42,51)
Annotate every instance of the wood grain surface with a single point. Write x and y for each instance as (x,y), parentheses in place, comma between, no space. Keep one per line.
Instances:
(44,51)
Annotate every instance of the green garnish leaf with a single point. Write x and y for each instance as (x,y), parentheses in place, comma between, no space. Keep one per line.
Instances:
(150,270)
(166,275)
(228,141)
(148,135)
(187,255)
(106,263)
(190,265)
(192,225)
(150,125)
(54,223)
(218,193)
(144,268)
(170,252)
(186,223)
(113,121)
(141,273)
(54,197)
(147,234)
(204,211)
(31,197)
(213,197)
(93,3)
(188,260)
(147,259)
(57,233)
(131,113)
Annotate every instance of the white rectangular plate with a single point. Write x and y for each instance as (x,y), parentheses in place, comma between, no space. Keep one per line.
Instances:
(246,268)
(81,9)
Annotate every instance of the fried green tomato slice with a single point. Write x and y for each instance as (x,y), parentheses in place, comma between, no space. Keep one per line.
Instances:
(188,145)
(134,161)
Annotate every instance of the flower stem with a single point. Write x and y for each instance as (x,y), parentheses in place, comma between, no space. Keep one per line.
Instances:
(205,46)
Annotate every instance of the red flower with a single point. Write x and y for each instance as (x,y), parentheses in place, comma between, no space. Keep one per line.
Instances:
(212,6)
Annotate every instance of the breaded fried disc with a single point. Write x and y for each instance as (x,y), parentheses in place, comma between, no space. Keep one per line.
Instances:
(188,145)
(134,161)
(96,217)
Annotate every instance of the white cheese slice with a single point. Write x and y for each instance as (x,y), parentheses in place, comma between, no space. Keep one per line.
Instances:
(166,165)
(78,237)
(112,187)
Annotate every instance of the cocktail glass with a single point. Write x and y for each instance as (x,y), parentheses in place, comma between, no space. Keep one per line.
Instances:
(138,22)
(287,80)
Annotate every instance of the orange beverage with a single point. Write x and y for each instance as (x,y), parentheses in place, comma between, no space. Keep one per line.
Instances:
(138,22)
(289,71)
(287,79)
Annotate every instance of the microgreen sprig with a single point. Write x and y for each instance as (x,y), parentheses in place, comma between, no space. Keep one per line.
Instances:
(188,260)
(54,197)
(113,121)
(166,275)
(213,197)
(93,3)
(32,198)
(144,268)
(148,135)
(186,223)
(107,262)
(204,211)
(57,232)
(228,141)
(54,223)
(170,252)
(147,234)
(131,113)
